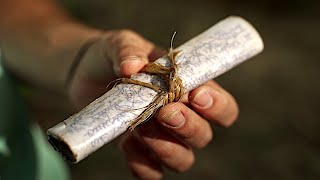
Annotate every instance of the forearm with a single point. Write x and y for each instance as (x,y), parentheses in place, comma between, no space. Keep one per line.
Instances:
(40,41)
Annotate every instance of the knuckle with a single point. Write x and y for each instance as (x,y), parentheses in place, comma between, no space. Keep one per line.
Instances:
(124,33)
(126,50)
(122,37)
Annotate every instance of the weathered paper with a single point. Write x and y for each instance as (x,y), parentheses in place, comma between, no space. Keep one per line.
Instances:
(204,57)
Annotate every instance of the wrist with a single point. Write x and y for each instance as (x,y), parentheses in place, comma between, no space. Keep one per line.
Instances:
(66,41)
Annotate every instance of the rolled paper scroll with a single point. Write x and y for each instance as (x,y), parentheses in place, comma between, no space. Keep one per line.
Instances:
(208,55)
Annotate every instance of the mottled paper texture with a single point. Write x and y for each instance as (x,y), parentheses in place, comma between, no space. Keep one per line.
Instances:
(215,51)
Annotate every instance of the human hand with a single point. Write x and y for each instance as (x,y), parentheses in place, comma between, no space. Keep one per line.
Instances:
(39,54)
(116,53)
(166,140)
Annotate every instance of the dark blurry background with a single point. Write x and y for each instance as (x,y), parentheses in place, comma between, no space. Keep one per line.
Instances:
(278,132)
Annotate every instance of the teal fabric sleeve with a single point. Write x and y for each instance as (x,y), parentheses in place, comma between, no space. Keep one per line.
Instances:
(24,150)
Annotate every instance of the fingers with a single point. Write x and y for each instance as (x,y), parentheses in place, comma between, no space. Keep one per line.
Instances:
(129,52)
(182,128)
(150,146)
(186,124)
(140,160)
(214,103)
(169,150)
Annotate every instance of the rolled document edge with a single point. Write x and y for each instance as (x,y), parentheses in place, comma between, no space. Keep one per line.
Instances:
(233,41)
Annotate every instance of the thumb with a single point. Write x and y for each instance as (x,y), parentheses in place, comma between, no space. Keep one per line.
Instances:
(129,52)
(132,60)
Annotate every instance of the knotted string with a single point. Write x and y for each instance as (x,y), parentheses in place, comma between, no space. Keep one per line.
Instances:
(173,92)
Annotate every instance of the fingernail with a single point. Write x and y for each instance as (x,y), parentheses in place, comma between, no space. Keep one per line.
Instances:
(202,99)
(133,60)
(175,119)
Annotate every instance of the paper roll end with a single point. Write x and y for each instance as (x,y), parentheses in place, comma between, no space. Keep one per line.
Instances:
(63,148)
